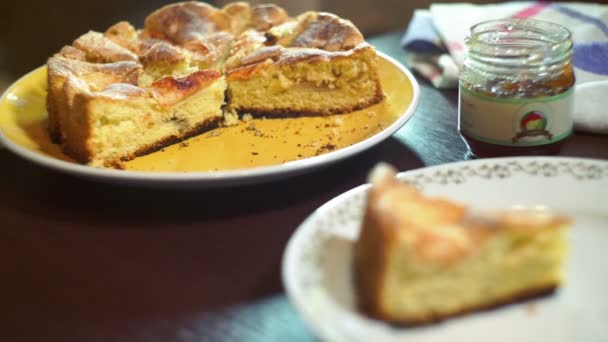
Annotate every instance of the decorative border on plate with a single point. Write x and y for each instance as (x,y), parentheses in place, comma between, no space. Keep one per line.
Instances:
(320,228)
(577,170)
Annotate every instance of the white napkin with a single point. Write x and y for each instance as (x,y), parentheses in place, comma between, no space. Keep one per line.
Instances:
(587,22)
(591,107)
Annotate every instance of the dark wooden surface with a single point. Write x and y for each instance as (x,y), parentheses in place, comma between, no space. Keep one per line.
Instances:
(85,261)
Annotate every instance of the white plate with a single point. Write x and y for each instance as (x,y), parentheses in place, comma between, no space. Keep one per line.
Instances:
(220,178)
(318,259)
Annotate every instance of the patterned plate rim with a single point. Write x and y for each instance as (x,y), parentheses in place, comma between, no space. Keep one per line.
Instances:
(579,169)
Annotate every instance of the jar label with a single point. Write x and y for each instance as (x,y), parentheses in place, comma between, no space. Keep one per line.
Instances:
(515,121)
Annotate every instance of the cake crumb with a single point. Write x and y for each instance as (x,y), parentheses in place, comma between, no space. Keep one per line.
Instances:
(254,153)
(215,133)
(251,127)
(231,117)
(325,148)
(371,114)
(184,144)
(247,117)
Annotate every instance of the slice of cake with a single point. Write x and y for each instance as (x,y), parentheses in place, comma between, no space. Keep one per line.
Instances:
(420,259)
(101,75)
(123,121)
(319,65)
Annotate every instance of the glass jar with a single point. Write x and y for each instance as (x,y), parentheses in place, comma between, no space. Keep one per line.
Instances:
(516,88)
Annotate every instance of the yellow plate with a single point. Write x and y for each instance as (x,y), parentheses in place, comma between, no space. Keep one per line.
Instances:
(258,150)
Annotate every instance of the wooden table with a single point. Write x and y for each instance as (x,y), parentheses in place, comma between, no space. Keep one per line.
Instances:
(85,261)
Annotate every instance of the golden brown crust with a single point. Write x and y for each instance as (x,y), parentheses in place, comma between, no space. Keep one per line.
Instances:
(260,55)
(121,92)
(524,295)
(313,37)
(100,49)
(259,17)
(211,50)
(186,21)
(248,42)
(311,55)
(71,52)
(327,32)
(318,30)
(123,34)
(99,75)
(284,56)
(161,53)
(169,90)
(265,16)
(240,16)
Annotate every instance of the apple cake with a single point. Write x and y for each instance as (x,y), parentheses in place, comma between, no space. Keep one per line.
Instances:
(317,64)
(420,259)
(115,95)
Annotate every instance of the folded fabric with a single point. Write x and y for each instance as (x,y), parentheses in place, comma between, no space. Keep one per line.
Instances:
(450,24)
(426,52)
(591,107)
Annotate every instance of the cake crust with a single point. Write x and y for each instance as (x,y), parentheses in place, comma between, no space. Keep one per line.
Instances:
(101,75)
(100,49)
(186,21)
(170,90)
(130,80)
(421,260)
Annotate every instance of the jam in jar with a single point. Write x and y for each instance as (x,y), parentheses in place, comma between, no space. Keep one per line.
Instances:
(516,88)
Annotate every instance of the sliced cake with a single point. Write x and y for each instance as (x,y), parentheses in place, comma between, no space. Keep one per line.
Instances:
(420,259)
(123,121)
(125,92)
(99,75)
(318,64)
